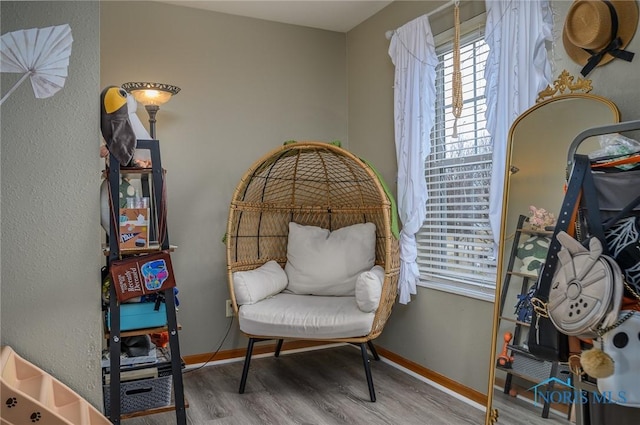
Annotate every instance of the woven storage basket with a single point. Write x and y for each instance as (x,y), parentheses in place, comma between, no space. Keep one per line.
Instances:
(316,184)
(143,394)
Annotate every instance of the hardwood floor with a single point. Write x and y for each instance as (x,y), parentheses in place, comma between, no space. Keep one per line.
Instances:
(321,387)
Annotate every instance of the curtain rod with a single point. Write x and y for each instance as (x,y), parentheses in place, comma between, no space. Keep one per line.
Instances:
(389,33)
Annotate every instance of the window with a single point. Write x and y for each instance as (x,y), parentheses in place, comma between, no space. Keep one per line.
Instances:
(455,243)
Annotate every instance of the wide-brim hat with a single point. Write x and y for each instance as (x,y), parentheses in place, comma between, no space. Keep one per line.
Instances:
(588,28)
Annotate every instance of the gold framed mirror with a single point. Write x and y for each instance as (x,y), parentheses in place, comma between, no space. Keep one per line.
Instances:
(535,176)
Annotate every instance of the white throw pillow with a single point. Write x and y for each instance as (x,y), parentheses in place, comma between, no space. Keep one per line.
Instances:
(320,262)
(369,289)
(254,285)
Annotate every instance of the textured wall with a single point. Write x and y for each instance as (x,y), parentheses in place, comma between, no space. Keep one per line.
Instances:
(50,217)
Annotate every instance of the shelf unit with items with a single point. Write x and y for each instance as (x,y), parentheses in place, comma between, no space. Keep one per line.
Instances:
(154,385)
(518,285)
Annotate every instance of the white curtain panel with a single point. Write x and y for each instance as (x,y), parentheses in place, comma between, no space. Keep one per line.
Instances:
(412,51)
(517,70)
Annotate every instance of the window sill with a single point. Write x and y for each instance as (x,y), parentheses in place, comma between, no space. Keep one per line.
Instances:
(462,289)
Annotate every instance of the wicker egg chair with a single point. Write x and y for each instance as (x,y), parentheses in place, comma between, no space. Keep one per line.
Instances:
(313,184)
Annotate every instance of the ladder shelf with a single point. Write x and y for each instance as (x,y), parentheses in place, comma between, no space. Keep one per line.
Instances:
(113,252)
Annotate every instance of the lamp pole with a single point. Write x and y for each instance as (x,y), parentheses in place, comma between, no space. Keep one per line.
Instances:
(152,110)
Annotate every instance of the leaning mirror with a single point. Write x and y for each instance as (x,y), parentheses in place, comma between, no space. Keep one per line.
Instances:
(536,173)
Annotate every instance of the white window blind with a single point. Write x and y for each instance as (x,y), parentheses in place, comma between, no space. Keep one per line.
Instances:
(455,243)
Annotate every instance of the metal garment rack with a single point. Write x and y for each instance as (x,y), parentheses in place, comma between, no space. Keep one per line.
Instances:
(583,409)
(172,325)
(599,131)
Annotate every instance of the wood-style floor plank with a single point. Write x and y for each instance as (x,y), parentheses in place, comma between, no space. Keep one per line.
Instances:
(321,387)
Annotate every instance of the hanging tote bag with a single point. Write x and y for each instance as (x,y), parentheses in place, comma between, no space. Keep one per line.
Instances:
(142,275)
(617,189)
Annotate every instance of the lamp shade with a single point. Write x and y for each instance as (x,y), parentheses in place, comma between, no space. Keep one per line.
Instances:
(151,93)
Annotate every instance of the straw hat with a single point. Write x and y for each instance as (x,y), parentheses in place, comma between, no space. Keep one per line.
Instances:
(588,31)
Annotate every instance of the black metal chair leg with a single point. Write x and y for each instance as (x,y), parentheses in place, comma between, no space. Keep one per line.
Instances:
(374,353)
(279,347)
(245,370)
(367,371)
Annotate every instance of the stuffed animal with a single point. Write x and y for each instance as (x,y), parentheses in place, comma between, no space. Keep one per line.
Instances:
(540,218)
(533,253)
(116,129)
(141,157)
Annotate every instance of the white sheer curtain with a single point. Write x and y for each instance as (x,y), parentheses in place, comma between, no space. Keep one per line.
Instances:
(412,51)
(517,69)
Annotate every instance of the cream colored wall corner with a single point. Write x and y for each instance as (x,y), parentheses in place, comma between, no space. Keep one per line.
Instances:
(51,257)
(446,333)
(247,86)
(443,332)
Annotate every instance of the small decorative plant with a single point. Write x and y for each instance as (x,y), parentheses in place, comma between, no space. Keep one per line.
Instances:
(540,218)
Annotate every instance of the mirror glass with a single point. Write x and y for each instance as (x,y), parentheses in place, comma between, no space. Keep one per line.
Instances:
(536,174)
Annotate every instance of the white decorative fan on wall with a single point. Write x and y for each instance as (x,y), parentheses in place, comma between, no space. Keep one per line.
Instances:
(39,53)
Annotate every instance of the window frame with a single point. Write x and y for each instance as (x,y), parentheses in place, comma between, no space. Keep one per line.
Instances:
(484,292)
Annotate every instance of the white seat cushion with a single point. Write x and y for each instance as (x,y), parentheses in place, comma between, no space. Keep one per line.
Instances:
(305,316)
(320,262)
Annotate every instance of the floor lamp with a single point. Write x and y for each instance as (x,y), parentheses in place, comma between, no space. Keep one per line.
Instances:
(151,95)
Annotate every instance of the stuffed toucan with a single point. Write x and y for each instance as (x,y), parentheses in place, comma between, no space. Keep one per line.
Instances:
(115,126)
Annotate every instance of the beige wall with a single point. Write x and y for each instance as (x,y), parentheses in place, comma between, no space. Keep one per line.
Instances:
(50,233)
(247,86)
(443,332)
